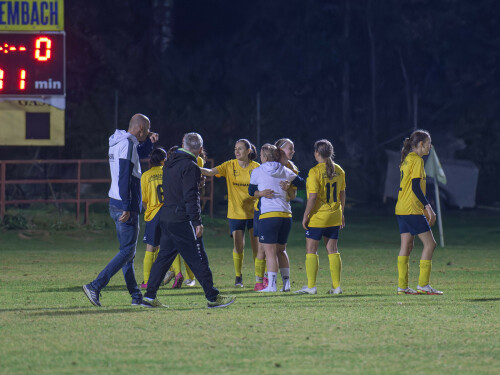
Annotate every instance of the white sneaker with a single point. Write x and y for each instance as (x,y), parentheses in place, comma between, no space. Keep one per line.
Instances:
(190,282)
(306,290)
(286,286)
(168,277)
(268,290)
(406,291)
(428,290)
(337,290)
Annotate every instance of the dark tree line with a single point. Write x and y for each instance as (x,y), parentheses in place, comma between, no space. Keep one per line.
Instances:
(361,73)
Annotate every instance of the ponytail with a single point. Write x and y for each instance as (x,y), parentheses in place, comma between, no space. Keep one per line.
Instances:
(325,149)
(405,150)
(412,142)
(330,168)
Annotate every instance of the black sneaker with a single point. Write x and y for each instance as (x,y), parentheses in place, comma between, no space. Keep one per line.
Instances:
(92,295)
(136,301)
(238,281)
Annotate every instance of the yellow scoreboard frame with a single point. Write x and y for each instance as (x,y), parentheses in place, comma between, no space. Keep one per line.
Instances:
(31,120)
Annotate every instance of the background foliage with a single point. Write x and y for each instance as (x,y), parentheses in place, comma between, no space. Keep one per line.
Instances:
(361,73)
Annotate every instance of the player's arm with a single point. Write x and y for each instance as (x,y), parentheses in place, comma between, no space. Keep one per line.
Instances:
(253,191)
(415,187)
(209,172)
(311,201)
(342,203)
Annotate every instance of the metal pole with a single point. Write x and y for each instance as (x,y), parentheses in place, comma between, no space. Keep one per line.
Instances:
(438,204)
(258,122)
(116,109)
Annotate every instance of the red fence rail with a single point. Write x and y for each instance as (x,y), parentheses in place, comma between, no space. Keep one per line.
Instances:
(208,197)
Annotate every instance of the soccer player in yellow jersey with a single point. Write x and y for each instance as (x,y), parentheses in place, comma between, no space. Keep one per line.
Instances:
(152,201)
(324,216)
(414,213)
(240,211)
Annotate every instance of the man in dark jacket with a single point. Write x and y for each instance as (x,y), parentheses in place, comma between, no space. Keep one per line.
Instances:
(181,228)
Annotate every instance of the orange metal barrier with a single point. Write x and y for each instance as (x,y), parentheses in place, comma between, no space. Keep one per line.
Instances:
(78,199)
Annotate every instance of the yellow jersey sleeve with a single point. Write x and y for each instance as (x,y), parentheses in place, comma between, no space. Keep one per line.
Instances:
(152,191)
(200,162)
(327,211)
(411,168)
(224,168)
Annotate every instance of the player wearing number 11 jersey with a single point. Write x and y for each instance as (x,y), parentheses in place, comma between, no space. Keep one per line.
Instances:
(324,215)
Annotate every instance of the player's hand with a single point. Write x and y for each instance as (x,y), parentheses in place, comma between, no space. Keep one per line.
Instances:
(154,137)
(285,184)
(199,231)
(268,193)
(124,217)
(343,222)
(430,214)
(305,222)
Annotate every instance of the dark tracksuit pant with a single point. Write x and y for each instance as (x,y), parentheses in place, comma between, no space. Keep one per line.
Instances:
(180,237)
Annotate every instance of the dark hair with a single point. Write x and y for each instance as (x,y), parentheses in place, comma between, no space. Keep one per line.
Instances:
(411,143)
(325,149)
(157,156)
(249,146)
(271,152)
(171,150)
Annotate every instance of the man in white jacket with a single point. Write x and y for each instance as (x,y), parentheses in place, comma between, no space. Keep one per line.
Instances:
(125,199)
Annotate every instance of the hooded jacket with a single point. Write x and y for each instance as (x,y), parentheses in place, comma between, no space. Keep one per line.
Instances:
(125,168)
(268,176)
(181,196)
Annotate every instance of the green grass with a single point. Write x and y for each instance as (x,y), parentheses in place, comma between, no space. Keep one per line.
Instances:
(47,325)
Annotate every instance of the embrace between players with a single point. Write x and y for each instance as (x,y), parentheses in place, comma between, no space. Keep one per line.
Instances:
(258,201)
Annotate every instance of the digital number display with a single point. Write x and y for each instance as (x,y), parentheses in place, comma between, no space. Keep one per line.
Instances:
(32,64)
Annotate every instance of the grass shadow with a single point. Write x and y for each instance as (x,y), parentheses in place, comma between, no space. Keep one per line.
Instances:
(483,299)
(79,289)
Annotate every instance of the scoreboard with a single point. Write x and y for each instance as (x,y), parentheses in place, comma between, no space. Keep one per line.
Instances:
(32,73)
(32,64)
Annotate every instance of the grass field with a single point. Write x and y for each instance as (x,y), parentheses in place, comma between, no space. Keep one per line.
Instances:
(47,325)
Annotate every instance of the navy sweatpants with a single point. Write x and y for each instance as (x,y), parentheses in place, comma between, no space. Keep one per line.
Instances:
(180,238)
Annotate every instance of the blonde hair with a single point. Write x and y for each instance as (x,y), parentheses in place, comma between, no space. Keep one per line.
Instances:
(271,152)
(325,149)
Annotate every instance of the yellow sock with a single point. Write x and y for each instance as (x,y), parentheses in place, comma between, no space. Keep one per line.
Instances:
(259,268)
(335,268)
(156,254)
(176,265)
(238,263)
(190,274)
(403,271)
(312,266)
(425,272)
(265,266)
(148,263)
